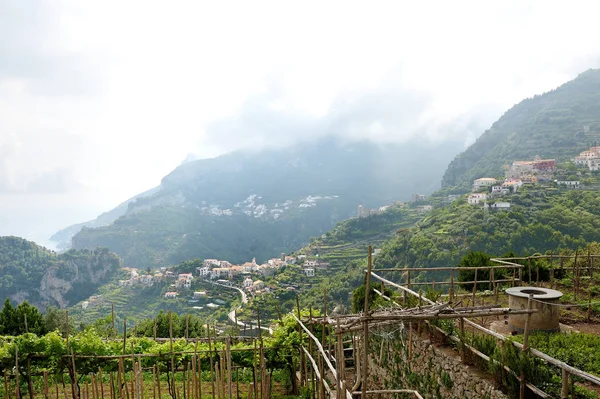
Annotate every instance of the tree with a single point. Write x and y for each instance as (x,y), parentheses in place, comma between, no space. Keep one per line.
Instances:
(7,318)
(474,259)
(56,320)
(28,319)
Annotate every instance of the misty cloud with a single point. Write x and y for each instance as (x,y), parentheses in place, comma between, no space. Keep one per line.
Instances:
(30,52)
(14,179)
(388,113)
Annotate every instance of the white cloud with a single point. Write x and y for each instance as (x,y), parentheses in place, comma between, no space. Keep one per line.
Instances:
(118,93)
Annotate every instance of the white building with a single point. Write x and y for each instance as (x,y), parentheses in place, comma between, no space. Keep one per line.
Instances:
(515,184)
(310,271)
(477,198)
(146,279)
(568,183)
(211,262)
(170,295)
(593,164)
(497,205)
(203,271)
(184,280)
(483,183)
(247,282)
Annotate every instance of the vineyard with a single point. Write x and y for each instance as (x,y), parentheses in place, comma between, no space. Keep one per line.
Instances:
(87,365)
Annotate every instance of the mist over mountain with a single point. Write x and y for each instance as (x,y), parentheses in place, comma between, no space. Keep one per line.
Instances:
(258,204)
(557,124)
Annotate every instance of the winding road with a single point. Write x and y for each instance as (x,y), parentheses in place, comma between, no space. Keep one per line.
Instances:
(231,314)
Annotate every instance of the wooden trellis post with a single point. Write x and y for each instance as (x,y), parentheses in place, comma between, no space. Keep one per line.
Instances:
(365,367)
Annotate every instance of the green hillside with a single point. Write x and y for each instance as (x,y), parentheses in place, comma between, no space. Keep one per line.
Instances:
(540,219)
(558,124)
(138,302)
(43,277)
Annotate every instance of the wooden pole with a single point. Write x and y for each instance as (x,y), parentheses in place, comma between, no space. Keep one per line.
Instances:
(212,376)
(310,350)
(158,390)
(124,334)
(461,330)
(154,381)
(564,392)
(474,287)
(74,385)
(173,390)
(67,326)
(261,358)
(525,349)
(341,363)
(228,355)
(410,340)
(94,387)
(6,392)
(101,382)
(589,305)
(576,279)
(365,368)
(194,371)
(302,360)
(451,291)
(46,384)
(29,382)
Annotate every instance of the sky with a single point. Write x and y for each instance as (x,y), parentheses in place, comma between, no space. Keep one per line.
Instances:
(101,99)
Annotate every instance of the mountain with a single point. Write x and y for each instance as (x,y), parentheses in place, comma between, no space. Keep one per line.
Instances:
(558,124)
(259,204)
(43,277)
(63,237)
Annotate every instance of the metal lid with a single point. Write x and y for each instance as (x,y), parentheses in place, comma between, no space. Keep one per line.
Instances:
(538,293)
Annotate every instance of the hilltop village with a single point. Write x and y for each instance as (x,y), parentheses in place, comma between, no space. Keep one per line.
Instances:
(495,192)
(248,277)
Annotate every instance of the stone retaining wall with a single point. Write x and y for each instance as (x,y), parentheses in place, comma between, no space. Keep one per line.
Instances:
(436,371)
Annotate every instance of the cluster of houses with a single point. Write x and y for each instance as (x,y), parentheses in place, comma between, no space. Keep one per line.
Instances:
(519,173)
(589,158)
(92,301)
(183,280)
(363,212)
(222,269)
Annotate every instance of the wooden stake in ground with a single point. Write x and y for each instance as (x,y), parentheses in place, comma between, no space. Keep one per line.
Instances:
(101,382)
(6,391)
(158,381)
(112,386)
(212,376)
(228,355)
(525,349)
(173,390)
(365,367)
(302,361)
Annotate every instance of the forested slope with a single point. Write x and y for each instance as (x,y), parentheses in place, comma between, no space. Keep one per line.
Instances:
(540,219)
(558,124)
(43,277)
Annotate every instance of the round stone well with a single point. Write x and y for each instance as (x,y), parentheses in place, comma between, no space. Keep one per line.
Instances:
(547,317)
